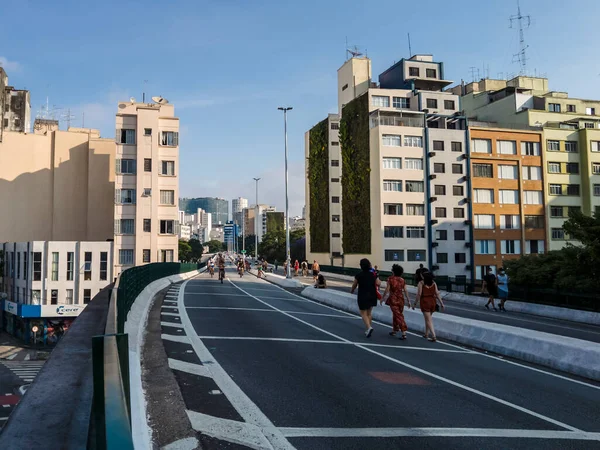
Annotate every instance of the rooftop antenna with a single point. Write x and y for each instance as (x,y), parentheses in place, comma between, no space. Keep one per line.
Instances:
(352,51)
(144,92)
(409,47)
(68,117)
(473,70)
(523,21)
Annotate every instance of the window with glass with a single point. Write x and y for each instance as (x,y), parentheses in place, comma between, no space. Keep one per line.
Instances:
(511,247)
(456,146)
(393,232)
(457,168)
(460,258)
(459,235)
(441,235)
(394,255)
(415,210)
(336,235)
(401,102)
(416,255)
(87,266)
(458,190)
(69,297)
(392,163)
(531,172)
(484,221)
(595,146)
(37,266)
(572,189)
(483,171)
(335,163)
(168,168)
(553,167)
(147,165)
(442,258)
(415,186)
(335,218)
(439,189)
(169,138)
(382,101)
(571,146)
(530,148)
(25,266)
(413,141)
(335,199)
(573,209)
(485,247)
(167,227)
(124,226)
(597,189)
(510,222)
(103,266)
(557,211)
(534,222)
(506,172)
(553,146)
(126,136)
(126,257)
(54,296)
(392,209)
(557,234)
(596,168)
(413,71)
(554,107)
(166,255)
(508,197)
(70,265)
(147,131)
(18,265)
(392,185)
(335,126)
(532,197)
(438,146)
(534,247)
(335,144)
(87,296)
(506,147)
(413,164)
(335,180)
(439,168)
(555,189)
(449,104)
(54,276)
(481,146)
(146,255)
(125,196)
(459,213)
(483,196)
(440,212)
(125,166)
(392,140)
(167,197)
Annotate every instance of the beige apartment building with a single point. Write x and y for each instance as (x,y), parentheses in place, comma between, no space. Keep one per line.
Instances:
(146,184)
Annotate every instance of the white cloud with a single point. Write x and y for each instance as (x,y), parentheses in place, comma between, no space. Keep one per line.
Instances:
(9,65)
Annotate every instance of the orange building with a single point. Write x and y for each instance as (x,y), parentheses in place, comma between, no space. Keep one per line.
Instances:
(507,195)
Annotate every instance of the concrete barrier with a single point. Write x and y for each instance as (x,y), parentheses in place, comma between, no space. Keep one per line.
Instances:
(553,312)
(570,355)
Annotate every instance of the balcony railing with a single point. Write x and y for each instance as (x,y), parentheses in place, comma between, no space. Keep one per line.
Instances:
(390,120)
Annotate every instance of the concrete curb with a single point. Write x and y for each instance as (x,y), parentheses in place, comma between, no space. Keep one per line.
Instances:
(570,355)
(553,312)
(279,280)
(135,327)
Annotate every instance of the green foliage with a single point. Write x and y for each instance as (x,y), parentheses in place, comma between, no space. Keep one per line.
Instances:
(196,250)
(214,246)
(249,244)
(185,251)
(275,221)
(272,246)
(356,171)
(318,176)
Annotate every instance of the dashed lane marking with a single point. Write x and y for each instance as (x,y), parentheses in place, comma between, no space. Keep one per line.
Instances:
(194,369)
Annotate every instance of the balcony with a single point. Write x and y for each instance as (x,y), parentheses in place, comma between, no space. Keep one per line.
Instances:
(401,119)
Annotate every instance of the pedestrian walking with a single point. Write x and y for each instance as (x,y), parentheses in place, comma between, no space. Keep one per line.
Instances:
(367,293)
(276,264)
(396,295)
(490,284)
(502,280)
(321,283)
(304,268)
(427,295)
(296,268)
(419,274)
(315,270)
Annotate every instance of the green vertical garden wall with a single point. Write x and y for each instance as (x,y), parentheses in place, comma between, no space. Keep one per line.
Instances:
(318,175)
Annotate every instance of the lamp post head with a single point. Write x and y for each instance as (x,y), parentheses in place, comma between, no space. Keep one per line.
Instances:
(285,109)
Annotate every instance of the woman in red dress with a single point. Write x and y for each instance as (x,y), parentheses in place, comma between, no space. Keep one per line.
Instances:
(397,294)
(427,294)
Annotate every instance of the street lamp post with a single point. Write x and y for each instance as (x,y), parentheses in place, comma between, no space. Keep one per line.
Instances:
(256,223)
(288,272)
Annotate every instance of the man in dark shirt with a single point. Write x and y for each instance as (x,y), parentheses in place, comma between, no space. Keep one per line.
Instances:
(419,274)
(491,285)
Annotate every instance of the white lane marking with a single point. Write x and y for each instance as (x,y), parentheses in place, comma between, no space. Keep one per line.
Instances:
(3,418)
(190,443)
(171,324)
(231,431)
(170,314)
(406,347)
(215,392)
(284,298)
(258,338)
(338,316)
(213,293)
(230,308)
(240,401)
(11,356)
(444,432)
(175,338)
(195,369)
(431,374)
(27,357)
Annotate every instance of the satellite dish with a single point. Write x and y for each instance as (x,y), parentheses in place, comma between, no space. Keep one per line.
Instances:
(132,99)
(160,100)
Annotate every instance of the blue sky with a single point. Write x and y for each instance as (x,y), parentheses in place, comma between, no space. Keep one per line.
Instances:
(227,65)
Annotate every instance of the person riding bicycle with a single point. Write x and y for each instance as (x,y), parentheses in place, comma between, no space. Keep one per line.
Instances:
(240,267)
(221,262)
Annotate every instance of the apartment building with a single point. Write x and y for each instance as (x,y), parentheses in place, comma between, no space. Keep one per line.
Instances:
(146,184)
(237,205)
(15,107)
(398,191)
(509,214)
(570,143)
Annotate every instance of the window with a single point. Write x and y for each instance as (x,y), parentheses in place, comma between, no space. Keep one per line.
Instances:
(431,73)
(481,146)
(335,144)
(508,197)
(442,258)
(413,71)
(335,163)
(392,185)
(147,225)
(126,257)
(448,104)
(392,163)
(483,196)
(572,168)
(506,147)
(37,266)
(589,125)
(572,189)
(441,235)
(392,209)
(553,167)
(571,108)
(571,146)
(553,146)
(530,148)
(596,146)
(597,190)
(456,146)
(124,226)
(87,267)
(555,189)
(557,234)
(168,168)
(534,247)
(381,101)
(440,212)
(18,265)
(335,218)
(147,131)
(590,111)
(401,102)
(413,164)
(125,136)
(573,209)
(124,196)
(167,197)
(510,247)
(459,213)
(595,168)
(125,166)
(507,172)
(54,266)
(482,170)
(70,265)
(344,87)
(103,266)
(460,258)
(510,222)
(439,168)
(414,186)
(457,168)
(393,232)
(335,126)
(69,297)
(336,235)
(25,266)
(532,197)
(554,107)
(87,296)
(335,199)
(147,165)
(485,247)
(484,221)
(54,296)
(413,141)
(146,255)
(335,180)
(556,211)
(415,210)
(440,189)
(534,222)
(166,255)
(394,255)
(459,235)
(531,172)
(416,255)
(170,138)
(438,146)
(167,227)
(458,191)
(431,103)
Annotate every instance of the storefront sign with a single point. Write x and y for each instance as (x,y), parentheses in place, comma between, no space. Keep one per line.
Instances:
(61,310)
(11,307)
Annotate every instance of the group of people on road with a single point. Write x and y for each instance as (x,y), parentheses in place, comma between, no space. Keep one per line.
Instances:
(496,287)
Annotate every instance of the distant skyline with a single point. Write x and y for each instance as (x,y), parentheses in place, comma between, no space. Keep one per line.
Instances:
(227,66)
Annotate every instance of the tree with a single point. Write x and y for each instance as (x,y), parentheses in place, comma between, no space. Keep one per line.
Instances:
(249,244)
(214,246)
(272,246)
(196,250)
(185,251)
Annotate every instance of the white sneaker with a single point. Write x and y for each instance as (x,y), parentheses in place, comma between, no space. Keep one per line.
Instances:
(369,332)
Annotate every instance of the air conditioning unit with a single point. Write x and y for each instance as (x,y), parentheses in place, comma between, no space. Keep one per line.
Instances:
(431,154)
(432,199)
(435,267)
(465,178)
(433,222)
(468,267)
(432,176)
(463,156)
(466,200)
(435,244)
(467,222)
(468,245)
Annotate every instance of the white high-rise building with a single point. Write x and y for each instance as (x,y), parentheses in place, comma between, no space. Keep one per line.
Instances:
(237,206)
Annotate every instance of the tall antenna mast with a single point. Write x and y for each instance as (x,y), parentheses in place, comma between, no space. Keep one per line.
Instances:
(409,47)
(523,21)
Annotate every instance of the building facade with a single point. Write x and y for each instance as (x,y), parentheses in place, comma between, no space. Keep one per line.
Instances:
(15,107)
(237,206)
(218,207)
(146,184)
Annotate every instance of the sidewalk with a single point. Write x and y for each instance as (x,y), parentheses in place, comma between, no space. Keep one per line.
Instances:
(13,349)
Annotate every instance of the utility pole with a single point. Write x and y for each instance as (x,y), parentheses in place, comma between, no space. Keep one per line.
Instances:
(256,223)
(288,272)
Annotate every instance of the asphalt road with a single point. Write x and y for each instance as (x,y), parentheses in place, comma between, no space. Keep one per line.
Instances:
(262,367)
